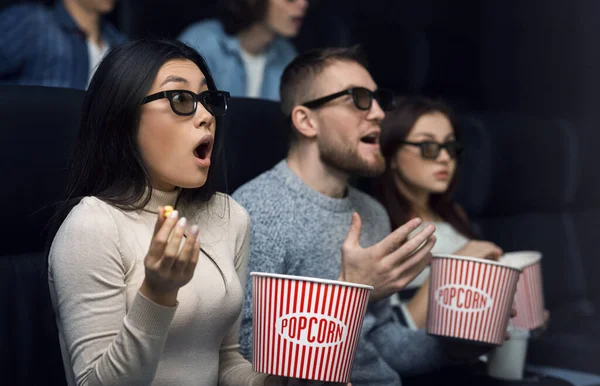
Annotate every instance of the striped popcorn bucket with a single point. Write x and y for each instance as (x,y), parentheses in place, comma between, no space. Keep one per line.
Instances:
(304,327)
(529,299)
(470,298)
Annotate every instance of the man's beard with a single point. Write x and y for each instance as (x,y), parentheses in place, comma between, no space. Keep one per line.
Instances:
(348,160)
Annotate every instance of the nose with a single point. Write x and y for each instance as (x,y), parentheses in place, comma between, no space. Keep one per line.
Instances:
(203,118)
(303,5)
(444,156)
(375,112)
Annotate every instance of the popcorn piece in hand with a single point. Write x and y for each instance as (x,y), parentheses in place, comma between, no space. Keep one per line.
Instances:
(168,210)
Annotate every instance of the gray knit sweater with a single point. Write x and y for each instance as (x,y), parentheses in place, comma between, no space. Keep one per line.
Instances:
(299,231)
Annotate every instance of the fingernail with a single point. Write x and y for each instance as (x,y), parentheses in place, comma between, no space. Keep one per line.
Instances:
(417,220)
(181,222)
(174,214)
(194,229)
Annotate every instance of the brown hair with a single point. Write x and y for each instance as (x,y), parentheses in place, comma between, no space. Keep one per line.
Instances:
(237,15)
(395,128)
(298,77)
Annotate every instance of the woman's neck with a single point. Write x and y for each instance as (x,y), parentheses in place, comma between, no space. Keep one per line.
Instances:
(418,200)
(256,38)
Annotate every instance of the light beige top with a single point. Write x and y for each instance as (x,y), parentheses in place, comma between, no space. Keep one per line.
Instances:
(112,335)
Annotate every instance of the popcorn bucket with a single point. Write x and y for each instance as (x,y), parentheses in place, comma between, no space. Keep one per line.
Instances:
(305,327)
(470,298)
(529,299)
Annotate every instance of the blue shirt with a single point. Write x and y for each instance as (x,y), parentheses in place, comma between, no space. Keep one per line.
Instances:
(222,53)
(45,47)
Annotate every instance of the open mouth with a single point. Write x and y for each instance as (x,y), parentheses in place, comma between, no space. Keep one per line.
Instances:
(202,151)
(372,139)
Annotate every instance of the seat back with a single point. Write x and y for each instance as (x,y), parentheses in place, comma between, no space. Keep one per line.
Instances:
(256,138)
(159,18)
(586,210)
(519,188)
(39,127)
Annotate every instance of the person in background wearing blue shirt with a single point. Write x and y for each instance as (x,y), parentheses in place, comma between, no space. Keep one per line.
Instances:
(247,47)
(59,47)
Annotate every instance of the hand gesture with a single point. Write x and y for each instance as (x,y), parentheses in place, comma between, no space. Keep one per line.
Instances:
(389,265)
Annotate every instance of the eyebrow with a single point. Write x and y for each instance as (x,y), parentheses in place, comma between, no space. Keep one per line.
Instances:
(174,79)
(428,135)
(352,85)
(178,79)
(425,135)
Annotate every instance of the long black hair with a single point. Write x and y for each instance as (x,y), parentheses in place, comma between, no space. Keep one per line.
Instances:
(107,162)
(395,128)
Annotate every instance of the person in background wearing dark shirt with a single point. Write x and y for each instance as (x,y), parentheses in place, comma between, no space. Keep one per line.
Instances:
(59,46)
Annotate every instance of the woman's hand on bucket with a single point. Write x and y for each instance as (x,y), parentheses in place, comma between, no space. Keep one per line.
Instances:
(481,249)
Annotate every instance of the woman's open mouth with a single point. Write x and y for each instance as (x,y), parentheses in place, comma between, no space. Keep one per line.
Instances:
(203,150)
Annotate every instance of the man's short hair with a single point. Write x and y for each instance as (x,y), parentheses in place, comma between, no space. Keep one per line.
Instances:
(297,81)
(237,15)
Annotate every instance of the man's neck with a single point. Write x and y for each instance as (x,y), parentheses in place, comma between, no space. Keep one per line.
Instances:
(326,180)
(86,20)
(256,38)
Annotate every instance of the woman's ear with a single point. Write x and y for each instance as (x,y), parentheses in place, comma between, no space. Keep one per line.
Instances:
(303,120)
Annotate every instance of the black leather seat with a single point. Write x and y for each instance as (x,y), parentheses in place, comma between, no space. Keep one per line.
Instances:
(39,127)
(160,18)
(519,187)
(256,138)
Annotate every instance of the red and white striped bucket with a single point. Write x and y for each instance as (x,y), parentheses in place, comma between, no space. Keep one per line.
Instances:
(529,299)
(470,298)
(304,327)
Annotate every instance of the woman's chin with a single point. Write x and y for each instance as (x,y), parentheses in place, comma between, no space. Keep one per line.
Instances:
(438,188)
(193,184)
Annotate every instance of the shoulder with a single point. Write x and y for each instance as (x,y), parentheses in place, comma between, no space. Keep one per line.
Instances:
(203,34)
(371,211)
(265,195)
(367,203)
(25,12)
(285,49)
(89,225)
(90,219)
(236,211)
(31,16)
(113,35)
(91,211)
(225,212)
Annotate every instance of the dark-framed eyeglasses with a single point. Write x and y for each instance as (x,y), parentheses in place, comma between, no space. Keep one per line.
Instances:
(431,150)
(185,102)
(362,98)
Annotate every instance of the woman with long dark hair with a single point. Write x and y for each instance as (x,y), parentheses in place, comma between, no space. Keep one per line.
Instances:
(421,144)
(142,297)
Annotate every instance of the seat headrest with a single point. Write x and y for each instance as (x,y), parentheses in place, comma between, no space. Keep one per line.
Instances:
(256,138)
(39,128)
(520,164)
